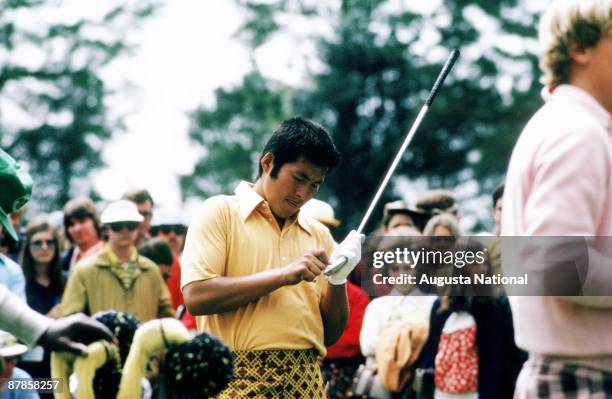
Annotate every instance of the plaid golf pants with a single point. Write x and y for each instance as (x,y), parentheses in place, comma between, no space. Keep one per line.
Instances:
(275,374)
(555,379)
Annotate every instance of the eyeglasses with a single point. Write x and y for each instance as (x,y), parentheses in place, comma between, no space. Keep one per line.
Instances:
(146,214)
(168,228)
(117,227)
(38,244)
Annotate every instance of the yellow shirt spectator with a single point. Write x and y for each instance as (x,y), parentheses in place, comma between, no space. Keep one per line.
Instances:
(237,236)
(99,283)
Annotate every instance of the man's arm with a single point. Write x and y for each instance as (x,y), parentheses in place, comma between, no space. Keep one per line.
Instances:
(224,294)
(334,301)
(334,311)
(68,334)
(18,319)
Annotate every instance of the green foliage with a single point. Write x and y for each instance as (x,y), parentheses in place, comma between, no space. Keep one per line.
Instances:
(379,66)
(54,114)
(233,133)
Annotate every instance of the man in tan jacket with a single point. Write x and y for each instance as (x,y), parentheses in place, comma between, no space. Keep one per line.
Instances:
(117,277)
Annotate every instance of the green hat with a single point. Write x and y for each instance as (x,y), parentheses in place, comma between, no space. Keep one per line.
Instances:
(15,190)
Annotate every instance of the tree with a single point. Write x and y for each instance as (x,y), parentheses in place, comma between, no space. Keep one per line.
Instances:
(54,113)
(233,133)
(378,67)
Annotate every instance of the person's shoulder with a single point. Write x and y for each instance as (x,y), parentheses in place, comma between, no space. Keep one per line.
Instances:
(146,263)
(90,262)
(317,228)
(501,302)
(567,117)
(20,373)
(10,264)
(218,205)
(381,301)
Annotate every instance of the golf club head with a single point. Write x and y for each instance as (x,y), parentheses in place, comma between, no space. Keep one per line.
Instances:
(333,268)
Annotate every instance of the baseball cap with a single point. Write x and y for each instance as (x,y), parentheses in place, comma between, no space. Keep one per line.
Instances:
(169,215)
(121,211)
(16,190)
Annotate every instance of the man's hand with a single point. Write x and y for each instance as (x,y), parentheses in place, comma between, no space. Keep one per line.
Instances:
(307,267)
(349,249)
(73,333)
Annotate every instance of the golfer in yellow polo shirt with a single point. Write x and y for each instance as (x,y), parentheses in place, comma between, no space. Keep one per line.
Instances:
(252,269)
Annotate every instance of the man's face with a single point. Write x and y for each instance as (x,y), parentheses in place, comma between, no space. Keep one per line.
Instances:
(122,234)
(296,183)
(398,220)
(146,210)
(83,231)
(174,235)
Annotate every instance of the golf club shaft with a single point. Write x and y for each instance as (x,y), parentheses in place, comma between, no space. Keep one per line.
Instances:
(400,153)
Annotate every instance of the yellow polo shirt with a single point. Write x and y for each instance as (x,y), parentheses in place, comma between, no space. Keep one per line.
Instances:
(238,236)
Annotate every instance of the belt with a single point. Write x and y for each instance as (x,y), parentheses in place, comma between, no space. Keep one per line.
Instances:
(275,358)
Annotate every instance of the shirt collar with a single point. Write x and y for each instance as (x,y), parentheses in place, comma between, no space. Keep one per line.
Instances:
(107,258)
(583,97)
(249,200)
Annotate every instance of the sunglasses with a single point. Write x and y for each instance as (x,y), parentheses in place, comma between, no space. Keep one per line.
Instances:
(168,228)
(38,244)
(117,227)
(146,214)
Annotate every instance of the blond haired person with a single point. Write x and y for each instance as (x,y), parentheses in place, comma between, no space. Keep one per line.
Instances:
(559,183)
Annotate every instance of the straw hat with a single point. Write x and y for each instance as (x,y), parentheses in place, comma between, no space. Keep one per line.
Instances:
(9,347)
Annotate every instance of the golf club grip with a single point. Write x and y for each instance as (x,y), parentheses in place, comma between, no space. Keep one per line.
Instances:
(445,70)
(331,269)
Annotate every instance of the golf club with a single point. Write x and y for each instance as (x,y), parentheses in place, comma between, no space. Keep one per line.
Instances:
(450,62)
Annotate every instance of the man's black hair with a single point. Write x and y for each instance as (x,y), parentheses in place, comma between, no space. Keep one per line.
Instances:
(296,138)
(498,193)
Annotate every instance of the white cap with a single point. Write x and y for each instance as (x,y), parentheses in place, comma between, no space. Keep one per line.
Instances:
(121,211)
(321,211)
(9,346)
(168,215)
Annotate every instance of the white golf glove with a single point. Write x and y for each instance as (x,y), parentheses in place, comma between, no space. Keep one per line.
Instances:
(349,249)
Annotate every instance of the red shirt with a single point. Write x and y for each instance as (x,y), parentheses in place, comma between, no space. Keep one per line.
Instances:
(176,295)
(348,344)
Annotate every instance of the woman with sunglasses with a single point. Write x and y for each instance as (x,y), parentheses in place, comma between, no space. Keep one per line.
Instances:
(41,262)
(42,268)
